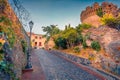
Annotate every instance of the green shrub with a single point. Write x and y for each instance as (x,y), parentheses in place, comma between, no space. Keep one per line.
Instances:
(1,45)
(60,43)
(1,57)
(84,44)
(24,46)
(8,30)
(95,45)
(76,49)
(99,12)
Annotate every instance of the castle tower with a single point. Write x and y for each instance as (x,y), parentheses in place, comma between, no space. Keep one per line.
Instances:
(89,15)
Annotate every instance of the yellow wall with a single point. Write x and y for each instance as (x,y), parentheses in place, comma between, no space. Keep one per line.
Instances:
(36,39)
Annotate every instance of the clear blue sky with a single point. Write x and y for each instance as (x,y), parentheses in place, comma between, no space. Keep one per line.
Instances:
(58,12)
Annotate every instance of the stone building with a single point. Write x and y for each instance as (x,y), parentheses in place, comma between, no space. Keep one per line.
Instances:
(89,15)
(37,40)
(50,44)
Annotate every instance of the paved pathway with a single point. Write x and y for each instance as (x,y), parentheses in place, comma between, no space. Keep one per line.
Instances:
(37,73)
(57,68)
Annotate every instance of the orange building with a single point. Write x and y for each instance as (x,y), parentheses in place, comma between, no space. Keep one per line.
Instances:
(37,40)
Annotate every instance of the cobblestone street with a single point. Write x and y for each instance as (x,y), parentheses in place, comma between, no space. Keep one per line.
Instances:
(56,68)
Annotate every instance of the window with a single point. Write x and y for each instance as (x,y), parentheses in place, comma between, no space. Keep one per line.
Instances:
(33,40)
(109,5)
(40,37)
(35,43)
(40,44)
(35,37)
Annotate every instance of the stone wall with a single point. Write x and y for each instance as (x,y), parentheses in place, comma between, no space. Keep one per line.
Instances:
(76,59)
(12,30)
(109,40)
(86,62)
(105,35)
(95,20)
(89,14)
(19,59)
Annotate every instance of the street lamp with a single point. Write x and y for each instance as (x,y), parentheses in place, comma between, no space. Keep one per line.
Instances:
(29,65)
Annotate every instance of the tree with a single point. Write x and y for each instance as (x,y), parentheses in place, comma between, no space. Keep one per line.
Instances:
(51,30)
(82,27)
(79,39)
(70,35)
(61,43)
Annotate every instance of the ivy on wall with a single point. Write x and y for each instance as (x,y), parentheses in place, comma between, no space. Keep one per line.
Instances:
(7,38)
(7,29)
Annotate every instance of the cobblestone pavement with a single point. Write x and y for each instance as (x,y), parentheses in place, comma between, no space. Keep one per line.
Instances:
(56,68)
(37,73)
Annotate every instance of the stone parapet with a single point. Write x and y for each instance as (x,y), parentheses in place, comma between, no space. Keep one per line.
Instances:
(87,63)
(90,11)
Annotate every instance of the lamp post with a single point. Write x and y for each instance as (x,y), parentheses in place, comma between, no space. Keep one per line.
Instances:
(29,65)
(31,26)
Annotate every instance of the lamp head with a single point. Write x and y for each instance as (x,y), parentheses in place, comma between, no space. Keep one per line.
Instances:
(31,24)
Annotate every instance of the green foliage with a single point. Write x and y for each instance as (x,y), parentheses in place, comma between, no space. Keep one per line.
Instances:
(84,44)
(11,37)
(1,45)
(67,38)
(99,12)
(61,43)
(111,21)
(1,57)
(96,46)
(2,19)
(5,20)
(7,67)
(2,65)
(76,49)
(1,51)
(47,39)
(79,39)
(51,30)
(7,29)
(81,27)
(24,45)
(70,35)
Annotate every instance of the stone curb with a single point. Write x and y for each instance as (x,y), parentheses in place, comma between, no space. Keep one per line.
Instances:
(86,63)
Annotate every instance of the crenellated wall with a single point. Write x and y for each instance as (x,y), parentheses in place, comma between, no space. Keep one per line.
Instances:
(89,14)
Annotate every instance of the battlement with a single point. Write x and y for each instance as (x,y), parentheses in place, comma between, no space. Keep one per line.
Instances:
(106,7)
